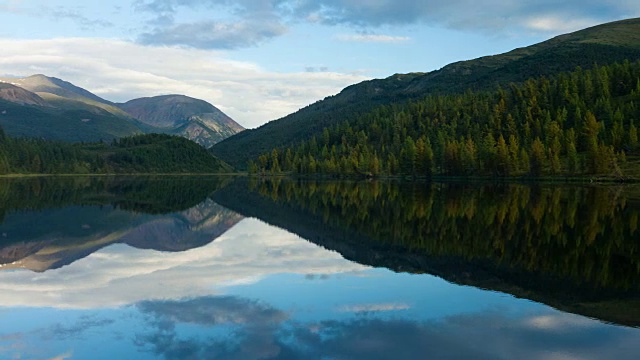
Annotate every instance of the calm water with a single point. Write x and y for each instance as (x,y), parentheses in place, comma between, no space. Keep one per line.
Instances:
(213,268)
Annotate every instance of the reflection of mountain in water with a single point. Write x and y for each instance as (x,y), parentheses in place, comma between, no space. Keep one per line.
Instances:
(574,248)
(76,221)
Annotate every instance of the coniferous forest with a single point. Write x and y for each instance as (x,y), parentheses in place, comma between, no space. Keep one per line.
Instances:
(152,153)
(573,124)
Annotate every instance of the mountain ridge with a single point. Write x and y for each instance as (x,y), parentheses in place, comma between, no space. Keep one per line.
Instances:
(51,108)
(18,95)
(602,44)
(58,92)
(185,116)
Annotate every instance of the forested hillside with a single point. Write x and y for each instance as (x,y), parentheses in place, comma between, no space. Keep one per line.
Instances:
(602,45)
(154,153)
(583,122)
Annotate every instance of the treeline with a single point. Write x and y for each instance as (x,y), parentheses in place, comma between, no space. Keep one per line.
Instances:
(583,122)
(583,234)
(141,194)
(151,153)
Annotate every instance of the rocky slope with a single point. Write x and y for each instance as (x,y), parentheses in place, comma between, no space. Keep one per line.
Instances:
(181,115)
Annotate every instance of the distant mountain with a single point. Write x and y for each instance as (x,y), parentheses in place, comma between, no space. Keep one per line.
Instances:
(19,95)
(603,44)
(47,107)
(63,94)
(44,107)
(181,115)
(19,118)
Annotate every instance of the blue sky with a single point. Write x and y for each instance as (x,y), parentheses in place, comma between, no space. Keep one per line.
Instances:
(258,60)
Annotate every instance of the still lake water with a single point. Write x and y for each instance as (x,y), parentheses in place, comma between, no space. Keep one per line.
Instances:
(217,268)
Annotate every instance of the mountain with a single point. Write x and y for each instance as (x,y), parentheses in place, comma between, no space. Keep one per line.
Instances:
(40,106)
(49,108)
(603,44)
(18,95)
(63,94)
(21,119)
(181,115)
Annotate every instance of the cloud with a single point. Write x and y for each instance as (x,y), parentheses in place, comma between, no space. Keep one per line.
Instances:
(486,335)
(465,14)
(368,308)
(77,329)
(246,253)
(557,24)
(11,6)
(256,328)
(55,13)
(214,311)
(227,25)
(120,71)
(67,355)
(372,38)
(76,16)
(496,16)
(215,35)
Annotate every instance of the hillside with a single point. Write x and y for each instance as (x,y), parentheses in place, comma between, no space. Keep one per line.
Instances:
(184,116)
(581,123)
(603,44)
(18,95)
(20,118)
(63,94)
(45,107)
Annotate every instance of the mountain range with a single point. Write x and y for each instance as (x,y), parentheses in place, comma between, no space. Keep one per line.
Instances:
(50,108)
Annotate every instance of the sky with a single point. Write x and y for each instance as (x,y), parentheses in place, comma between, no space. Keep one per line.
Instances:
(259,60)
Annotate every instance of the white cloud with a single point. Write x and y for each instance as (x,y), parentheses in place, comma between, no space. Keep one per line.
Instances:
(215,35)
(120,71)
(67,355)
(556,322)
(365,308)
(119,275)
(553,24)
(373,38)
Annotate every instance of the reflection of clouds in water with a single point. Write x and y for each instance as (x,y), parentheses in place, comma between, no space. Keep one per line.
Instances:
(548,322)
(262,332)
(214,311)
(17,346)
(366,308)
(78,329)
(120,275)
(253,333)
(67,355)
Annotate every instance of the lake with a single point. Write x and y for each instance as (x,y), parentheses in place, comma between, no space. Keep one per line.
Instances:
(224,268)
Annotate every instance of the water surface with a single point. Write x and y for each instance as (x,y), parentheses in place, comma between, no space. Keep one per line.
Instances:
(216,268)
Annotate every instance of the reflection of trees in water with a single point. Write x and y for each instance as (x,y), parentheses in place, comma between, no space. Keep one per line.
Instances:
(587,234)
(152,195)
